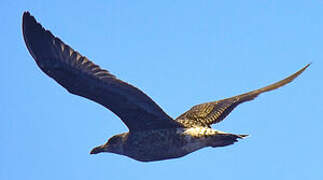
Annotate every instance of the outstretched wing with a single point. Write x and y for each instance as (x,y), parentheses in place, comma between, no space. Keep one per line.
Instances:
(214,112)
(82,77)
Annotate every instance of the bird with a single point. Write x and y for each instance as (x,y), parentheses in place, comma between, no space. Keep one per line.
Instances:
(153,135)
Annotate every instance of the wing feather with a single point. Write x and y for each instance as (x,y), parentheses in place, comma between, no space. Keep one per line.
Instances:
(82,77)
(213,112)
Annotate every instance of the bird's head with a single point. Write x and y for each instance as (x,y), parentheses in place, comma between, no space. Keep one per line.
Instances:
(114,145)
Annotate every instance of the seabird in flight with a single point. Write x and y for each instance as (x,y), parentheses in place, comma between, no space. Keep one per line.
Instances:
(153,135)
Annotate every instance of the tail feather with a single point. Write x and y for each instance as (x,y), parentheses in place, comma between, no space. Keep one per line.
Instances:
(222,140)
(242,136)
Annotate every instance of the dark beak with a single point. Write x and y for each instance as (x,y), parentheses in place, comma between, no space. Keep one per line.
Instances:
(97,150)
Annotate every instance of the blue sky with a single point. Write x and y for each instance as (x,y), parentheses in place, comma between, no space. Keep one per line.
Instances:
(180,53)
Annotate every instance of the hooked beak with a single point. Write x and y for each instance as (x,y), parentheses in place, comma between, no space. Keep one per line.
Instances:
(97,150)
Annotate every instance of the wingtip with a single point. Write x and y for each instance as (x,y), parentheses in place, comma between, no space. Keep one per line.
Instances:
(302,70)
(26,18)
(307,65)
(26,15)
(36,37)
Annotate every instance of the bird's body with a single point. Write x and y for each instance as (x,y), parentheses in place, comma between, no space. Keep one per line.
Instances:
(153,135)
(160,144)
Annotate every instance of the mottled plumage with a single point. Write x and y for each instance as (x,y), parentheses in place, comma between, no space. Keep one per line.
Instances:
(213,112)
(153,135)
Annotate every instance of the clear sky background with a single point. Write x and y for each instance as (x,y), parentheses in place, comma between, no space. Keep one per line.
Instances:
(181,53)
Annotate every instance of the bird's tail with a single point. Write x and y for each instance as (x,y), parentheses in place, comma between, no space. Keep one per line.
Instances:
(225,139)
